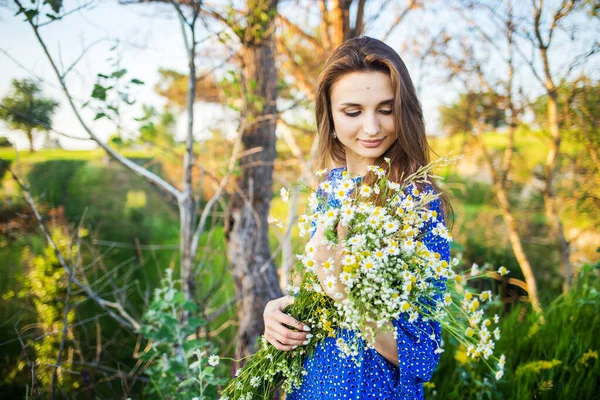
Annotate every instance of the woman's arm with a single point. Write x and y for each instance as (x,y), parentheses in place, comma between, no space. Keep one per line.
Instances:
(385,342)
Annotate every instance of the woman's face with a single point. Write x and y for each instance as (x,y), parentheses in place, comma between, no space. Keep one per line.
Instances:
(362,105)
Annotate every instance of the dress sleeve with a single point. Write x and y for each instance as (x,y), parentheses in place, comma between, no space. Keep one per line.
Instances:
(418,341)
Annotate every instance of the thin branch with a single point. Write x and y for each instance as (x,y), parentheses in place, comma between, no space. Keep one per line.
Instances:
(318,47)
(66,13)
(399,18)
(208,207)
(40,123)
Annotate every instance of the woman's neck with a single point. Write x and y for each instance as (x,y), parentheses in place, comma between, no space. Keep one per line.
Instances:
(358,167)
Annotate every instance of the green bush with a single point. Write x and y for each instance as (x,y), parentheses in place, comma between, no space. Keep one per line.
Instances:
(551,358)
(178,367)
(49,180)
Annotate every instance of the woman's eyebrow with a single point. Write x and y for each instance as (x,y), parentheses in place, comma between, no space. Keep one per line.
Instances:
(384,102)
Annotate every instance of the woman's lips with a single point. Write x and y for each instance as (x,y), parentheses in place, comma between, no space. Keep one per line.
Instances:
(371,143)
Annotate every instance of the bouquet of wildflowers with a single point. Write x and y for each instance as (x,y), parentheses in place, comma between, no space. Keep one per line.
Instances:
(386,271)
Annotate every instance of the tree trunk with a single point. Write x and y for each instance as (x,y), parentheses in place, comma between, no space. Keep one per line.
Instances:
(248,251)
(29,133)
(187,205)
(550,202)
(514,237)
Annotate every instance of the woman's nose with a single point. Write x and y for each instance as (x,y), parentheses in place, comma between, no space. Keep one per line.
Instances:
(371,125)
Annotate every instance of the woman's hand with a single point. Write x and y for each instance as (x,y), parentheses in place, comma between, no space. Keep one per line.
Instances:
(277,333)
(336,253)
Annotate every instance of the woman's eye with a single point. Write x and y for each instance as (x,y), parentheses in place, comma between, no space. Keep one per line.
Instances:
(387,112)
(354,114)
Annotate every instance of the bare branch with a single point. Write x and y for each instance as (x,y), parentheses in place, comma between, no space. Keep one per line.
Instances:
(66,13)
(209,205)
(298,31)
(399,18)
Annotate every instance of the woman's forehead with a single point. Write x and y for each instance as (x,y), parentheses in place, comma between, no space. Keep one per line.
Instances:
(365,88)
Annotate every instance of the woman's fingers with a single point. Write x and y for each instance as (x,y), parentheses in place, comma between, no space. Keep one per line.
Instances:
(289,338)
(291,321)
(277,333)
(277,344)
(277,325)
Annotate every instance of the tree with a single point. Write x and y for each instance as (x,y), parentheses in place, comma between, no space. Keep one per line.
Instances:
(24,109)
(578,103)
(247,227)
(541,28)
(482,114)
(192,220)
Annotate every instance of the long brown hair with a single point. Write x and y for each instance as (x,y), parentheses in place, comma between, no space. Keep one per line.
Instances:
(410,150)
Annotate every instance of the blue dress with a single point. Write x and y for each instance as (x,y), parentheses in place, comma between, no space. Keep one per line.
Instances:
(330,376)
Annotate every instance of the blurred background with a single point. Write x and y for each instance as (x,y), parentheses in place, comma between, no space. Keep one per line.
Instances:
(143,145)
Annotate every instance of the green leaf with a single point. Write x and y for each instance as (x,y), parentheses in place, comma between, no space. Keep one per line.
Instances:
(119,73)
(136,81)
(194,323)
(190,307)
(55,4)
(190,346)
(99,115)
(102,76)
(188,382)
(31,14)
(99,92)
(179,298)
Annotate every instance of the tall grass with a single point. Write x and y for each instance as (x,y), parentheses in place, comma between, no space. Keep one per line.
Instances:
(554,357)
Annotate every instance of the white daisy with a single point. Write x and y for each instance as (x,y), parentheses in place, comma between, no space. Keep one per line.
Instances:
(285,195)
(330,282)
(326,187)
(365,190)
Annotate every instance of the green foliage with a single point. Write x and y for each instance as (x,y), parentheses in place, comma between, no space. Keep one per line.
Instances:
(49,180)
(460,116)
(111,90)
(45,285)
(4,142)
(157,128)
(551,358)
(103,191)
(578,109)
(24,109)
(4,166)
(179,367)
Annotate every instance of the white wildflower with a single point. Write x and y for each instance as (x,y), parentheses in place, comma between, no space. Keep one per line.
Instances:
(285,195)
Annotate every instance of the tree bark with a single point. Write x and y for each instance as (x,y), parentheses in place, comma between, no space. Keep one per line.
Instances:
(248,251)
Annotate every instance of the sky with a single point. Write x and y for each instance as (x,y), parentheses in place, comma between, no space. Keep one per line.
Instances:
(150,38)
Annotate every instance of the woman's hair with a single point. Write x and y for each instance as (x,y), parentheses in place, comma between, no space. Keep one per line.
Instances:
(410,150)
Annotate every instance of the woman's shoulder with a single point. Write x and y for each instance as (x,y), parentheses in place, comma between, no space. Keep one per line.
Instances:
(336,173)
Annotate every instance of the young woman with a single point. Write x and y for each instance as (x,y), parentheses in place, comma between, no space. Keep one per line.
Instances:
(367,110)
